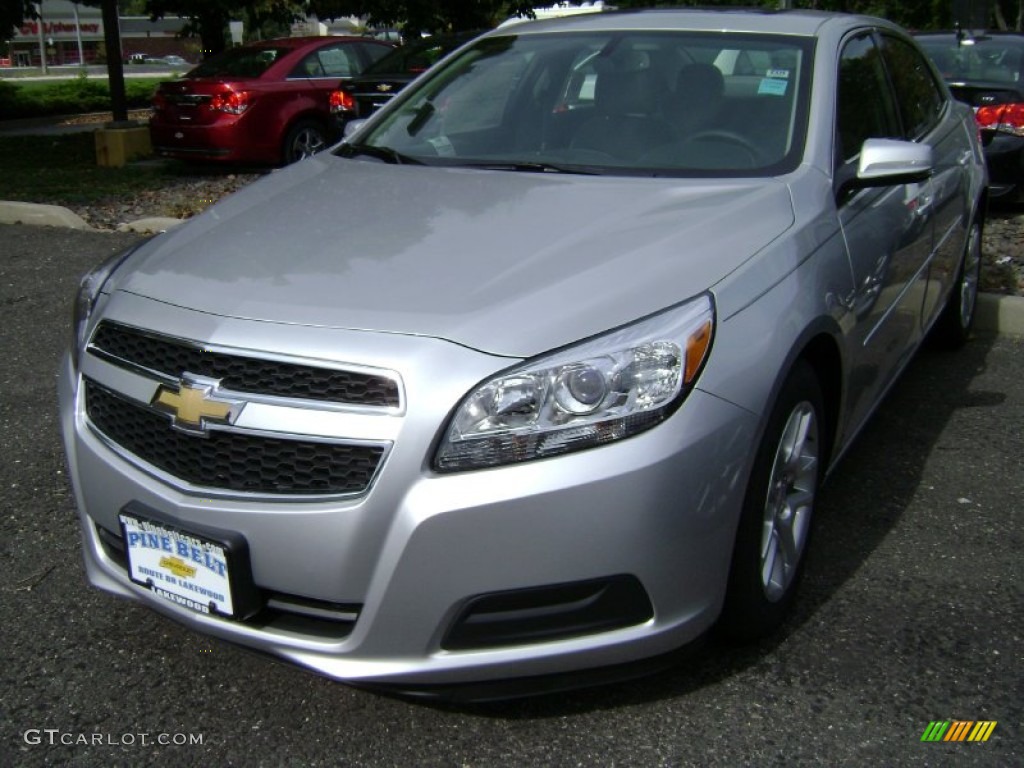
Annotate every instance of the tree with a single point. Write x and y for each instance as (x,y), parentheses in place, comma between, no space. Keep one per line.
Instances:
(13,14)
(432,16)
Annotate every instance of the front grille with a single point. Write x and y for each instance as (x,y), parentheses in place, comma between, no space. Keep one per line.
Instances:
(129,347)
(229,460)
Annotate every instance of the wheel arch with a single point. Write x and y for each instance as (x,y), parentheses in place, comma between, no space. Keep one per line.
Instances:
(305,116)
(822,353)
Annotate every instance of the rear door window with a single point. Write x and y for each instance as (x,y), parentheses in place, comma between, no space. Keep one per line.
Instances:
(333,61)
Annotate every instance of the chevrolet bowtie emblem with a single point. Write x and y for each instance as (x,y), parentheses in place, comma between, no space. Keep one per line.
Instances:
(192,406)
(385,87)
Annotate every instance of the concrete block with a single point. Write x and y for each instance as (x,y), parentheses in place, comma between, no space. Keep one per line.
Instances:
(37,214)
(115,146)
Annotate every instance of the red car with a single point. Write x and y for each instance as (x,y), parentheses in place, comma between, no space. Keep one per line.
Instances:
(265,102)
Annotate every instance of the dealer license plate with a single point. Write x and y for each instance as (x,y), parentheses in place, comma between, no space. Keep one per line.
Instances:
(186,569)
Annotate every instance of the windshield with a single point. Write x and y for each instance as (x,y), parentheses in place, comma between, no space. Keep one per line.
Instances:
(663,103)
(990,60)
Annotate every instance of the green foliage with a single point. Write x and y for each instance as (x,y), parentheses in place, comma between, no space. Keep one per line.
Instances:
(62,170)
(12,14)
(68,97)
(425,15)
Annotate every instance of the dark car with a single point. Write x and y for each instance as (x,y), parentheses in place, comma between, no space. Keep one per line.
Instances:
(987,72)
(365,94)
(267,102)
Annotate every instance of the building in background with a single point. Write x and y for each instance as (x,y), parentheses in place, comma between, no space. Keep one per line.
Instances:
(72,33)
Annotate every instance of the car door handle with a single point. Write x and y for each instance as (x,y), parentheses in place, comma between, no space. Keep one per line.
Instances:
(924,205)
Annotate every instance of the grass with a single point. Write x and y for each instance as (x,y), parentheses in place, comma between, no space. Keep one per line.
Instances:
(62,170)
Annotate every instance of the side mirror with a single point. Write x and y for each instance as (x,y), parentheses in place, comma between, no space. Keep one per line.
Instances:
(351,127)
(887,162)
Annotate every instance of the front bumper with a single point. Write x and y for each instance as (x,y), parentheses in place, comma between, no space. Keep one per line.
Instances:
(405,560)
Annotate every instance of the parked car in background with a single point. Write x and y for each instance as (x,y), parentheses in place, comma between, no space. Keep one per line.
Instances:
(987,72)
(364,94)
(542,369)
(266,102)
(175,61)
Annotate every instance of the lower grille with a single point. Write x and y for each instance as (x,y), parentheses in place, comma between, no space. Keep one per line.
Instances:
(229,460)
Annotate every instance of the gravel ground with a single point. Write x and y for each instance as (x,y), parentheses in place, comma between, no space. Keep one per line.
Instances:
(188,195)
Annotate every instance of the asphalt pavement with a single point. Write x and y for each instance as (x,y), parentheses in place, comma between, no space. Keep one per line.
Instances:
(911,612)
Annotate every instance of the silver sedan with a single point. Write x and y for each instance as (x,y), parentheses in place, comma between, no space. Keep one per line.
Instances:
(541,370)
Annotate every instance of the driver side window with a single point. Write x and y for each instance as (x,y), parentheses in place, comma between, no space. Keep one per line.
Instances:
(864,105)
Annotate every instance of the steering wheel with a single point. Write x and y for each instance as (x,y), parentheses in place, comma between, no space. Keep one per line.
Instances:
(728,137)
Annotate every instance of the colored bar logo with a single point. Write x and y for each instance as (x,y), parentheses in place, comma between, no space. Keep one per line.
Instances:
(958,730)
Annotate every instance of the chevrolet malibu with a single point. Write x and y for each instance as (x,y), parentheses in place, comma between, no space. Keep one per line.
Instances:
(539,372)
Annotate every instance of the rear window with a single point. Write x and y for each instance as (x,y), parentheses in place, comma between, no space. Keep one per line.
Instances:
(990,60)
(411,59)
(239,62)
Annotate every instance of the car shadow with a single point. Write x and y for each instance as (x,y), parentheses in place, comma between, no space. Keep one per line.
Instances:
(858,508)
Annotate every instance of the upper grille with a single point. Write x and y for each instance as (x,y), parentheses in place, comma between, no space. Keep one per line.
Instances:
(173,357)
(229,460)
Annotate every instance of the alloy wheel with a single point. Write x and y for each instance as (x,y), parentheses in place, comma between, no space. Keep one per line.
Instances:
(790,502)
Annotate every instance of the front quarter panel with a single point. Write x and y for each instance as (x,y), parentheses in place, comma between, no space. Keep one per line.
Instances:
(796,289)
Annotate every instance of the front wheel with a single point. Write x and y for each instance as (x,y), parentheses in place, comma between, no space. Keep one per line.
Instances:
(778,508)
(954,324)
(304,139)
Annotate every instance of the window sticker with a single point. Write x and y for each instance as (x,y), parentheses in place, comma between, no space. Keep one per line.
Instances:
(777,74)
(772,87)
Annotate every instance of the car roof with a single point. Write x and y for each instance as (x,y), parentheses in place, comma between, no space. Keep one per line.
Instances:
(805,23)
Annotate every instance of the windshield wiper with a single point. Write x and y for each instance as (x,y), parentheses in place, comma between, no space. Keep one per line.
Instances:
(387,154)
(532,167)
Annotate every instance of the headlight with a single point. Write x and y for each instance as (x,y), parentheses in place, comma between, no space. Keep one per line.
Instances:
(603,389)
(89,291)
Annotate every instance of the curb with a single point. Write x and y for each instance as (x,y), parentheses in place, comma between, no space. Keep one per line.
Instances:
(995,313)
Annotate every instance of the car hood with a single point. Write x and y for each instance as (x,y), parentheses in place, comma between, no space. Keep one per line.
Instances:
(509,263)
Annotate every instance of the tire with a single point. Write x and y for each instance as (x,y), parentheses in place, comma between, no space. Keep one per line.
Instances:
(775,523)
(953,327)
(304,139)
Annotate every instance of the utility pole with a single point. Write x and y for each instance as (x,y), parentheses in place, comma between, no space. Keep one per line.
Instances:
(42,37)
(78,37)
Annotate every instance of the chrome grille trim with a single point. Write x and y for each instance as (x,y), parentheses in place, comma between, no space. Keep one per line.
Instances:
(259,376)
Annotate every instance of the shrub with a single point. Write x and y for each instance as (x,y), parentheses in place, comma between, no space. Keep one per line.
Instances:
(68,97)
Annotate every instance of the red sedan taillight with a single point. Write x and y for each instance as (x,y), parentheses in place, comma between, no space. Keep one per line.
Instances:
(1004,118)
(232,102)
(342,101)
